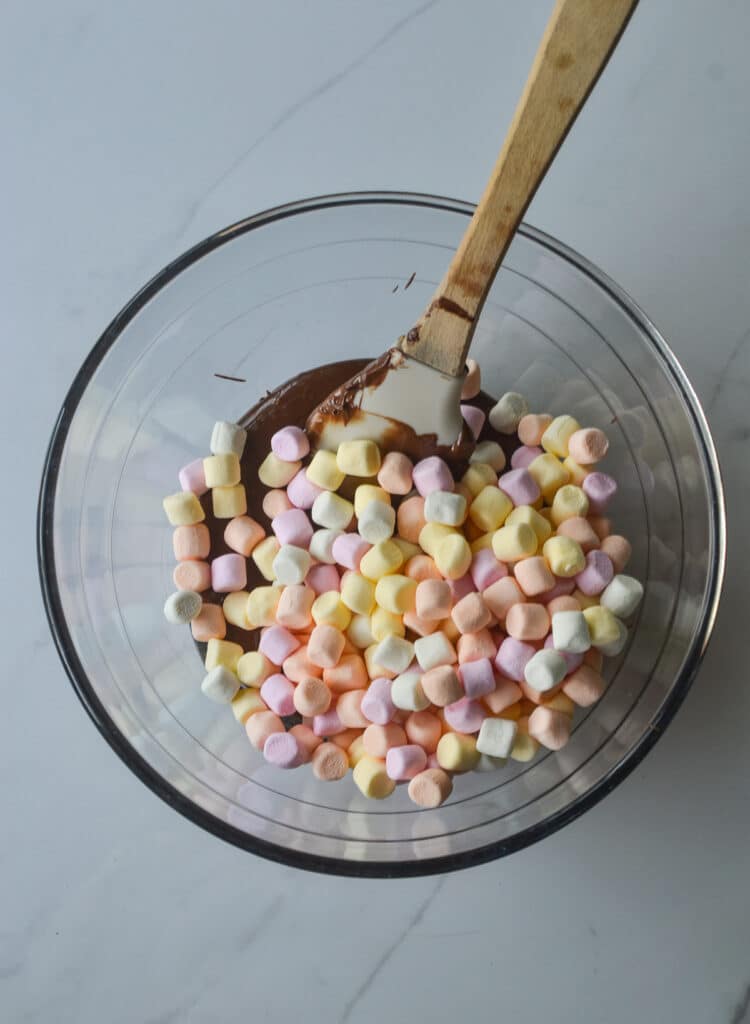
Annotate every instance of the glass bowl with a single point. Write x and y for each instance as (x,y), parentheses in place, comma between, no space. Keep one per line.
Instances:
(314,282)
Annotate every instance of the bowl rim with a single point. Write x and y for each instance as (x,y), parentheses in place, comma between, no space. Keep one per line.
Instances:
(147,774)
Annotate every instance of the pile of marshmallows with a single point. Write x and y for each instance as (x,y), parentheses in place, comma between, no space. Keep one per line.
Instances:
(426,627)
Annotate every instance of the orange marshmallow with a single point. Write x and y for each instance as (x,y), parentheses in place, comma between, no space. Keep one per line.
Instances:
(617,548)
(395,472)
(378,739)
(349,674)
(294,608)
(325,646)
(349,710)
(474,646)
(346,738)
(275,502)
(410,519)
(424,729)
(422,627)
(430,788)
(581,530)
(242,534)
(549,727)
(601,526)
(192,576)
(533,576)
(191,543)
(502,595)
(433,599)
(329,762)
(584,686)
(209,624)
(594,658)
(422,567)
(512,713)
(312,697)
(442,686)
(587,446)
(566,603)
(262,725)
(537,696)
(527,622)
(531,427)
(471,614)
(505,695)
(298,666)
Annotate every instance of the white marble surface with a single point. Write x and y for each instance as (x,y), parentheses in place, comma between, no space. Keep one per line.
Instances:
(133,130)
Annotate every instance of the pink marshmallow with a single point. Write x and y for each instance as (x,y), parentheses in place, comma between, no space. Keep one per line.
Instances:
(506,692)
(600,489)
(278,693)
(328,724)
(277,643)
(432,474)
(523,457)
(293,527)
(485,569)
(290,444)
(474,646)
(512,658)
(405,762)
(377,705)
(325,646)
(283,750)
(474,418)
(395,473)
(461,587)
(573,661)
(321,578)
(598,573)
(478,677)
(228,573)
(301,491)
(348,550)
(191,543)
(192,478)
(465,715)
(520,486)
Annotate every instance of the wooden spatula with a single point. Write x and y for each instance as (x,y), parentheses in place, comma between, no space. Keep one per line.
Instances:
(416,386)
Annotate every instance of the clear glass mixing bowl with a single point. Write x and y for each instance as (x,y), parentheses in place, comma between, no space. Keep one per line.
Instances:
(286,290)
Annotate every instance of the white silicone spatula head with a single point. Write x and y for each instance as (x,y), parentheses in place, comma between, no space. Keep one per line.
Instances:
(418,384)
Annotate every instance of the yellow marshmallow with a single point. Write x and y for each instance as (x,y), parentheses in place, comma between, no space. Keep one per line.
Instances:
(358,458)
(560,702)
(366,493)
(229,502)
(555,438)
(263,555)
(490,508)
(254,668)
(564,556)
(382,558)
(511,543)
(577,473)
(431,535)
(356,751)
(457,753)
(329,610)
(568,502)
(222,652)
(222,470)
(235,609)
(274,472)
(450,629)
(549,473)
(247,703)
(396,593)
(183,509)
(524,747)
(530,516)
(478,476)
(324,471)
(585,600)
(371,779)
(485,541)
(407,549)
(359,632)
(357,593)
(602,624)
(262,604)
(384,623)
(453,556)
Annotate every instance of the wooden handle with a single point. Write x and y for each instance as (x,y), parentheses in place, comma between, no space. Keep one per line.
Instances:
(578,40)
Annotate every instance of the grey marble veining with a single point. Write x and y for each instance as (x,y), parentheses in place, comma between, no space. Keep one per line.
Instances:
(132,131)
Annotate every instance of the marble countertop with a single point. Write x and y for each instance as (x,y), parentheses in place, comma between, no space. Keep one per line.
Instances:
(134,130)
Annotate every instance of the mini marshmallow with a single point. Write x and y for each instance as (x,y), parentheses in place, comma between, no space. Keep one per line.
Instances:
(227,437)
(600,489)
(477,677)
(569,502)
(321,578)
(377,522)
(222,470)
(432,474)
(396,593)
(512,543)
(474,646)
(549,727)
(278,694)
(424,728)
(291,564)
(433,599)
(377,705)
(359,632)
(527,621)
(533,576)
(229,502)
(520,486)
(273,472)
(293,527)
(329,609)
(584,686)
(617,548)
(545,669)
(445,507)
(301,491)
(564,556)
(348,550)
(478,476)
(580,530)
(329,762)
(577,474)
(408,551)
(502,595)
(524,747)
(192,479)
(596,574)
(277,643)
(382,559)
(358,458)
(324,472)
(311,696)
(321,545)
(496,737)
(191,543)
(485,569)
(490,453)
(470,613)
(274,502)
(357,593)
(290,444)
(465,716)
(405,762)
(472,384)
(245,704)
(192,576)
(422,627)
(325,646)
(332,511)
(474,419)
(262,725)
(612,648)
(349,674)
(371,779)
(507,412)
(395,473)
(222,652)
(262,603)
(457,752)
(234,607)
(555,438)
(253,668)
(622,596)
(282,750)
(183,509)
(573,660)
(328,724)
(430,788)
(442,686)
(453,556)
(432,533)
(182,607)
(349,710)
(490,508)
(512,658)
(228,573)
(505,695)
(421,567)
(220,685)
(525,514)
(263,554)
(379,739)
(549,474)
(385,623)
(209,623)
(394,654)
(531,428)
(243,534)
(570,632)
(588,446)
(365,493)
(407,693)
(435,649)
(523,457)
(564,603)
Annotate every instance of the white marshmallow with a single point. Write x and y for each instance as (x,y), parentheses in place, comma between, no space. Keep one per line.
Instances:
(291,564)
(622,595)
(614,647)
(509,410)
(360,631)
(545,669)
(570,632)
(376,522)
(227,437)
(496,737)
(407,693)
(321,544)
(394,653)
(433,650)
(445,507)
(220,685)
(489,452)
(332,511)
(487,763)
(182,606)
